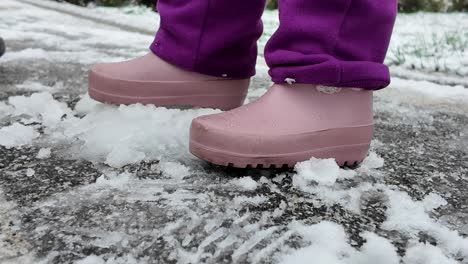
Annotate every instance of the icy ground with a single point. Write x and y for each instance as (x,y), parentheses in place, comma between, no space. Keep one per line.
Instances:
(88,183)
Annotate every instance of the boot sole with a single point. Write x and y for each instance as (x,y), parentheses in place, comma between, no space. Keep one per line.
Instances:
(221,94)
(345,155)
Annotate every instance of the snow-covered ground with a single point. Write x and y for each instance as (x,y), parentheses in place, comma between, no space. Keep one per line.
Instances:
(90,183)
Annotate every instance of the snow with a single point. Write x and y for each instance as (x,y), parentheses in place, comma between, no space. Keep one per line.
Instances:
(373,161)
(39,87)
(17,135)
(117,180)
(426,254)
(323,172)
(411,217)
(85,34)
(433,201)
(431,90)
(44,153)
(430,42)
(30,172)
(376,250)
(404,214)
(328,245)
(322,178)
(136,18)
(254,200)
(327,242)
(245,183)
(128,134)
(5,109)
(40,106)
(246,247)
(86,105)
(118,158)
(92,259)
(174,169)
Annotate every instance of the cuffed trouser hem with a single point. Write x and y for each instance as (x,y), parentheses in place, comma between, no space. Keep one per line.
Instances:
(366,75)
(339,43)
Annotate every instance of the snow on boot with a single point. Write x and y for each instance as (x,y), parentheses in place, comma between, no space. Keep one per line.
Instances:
(2,47)
(289,124)
(151,80)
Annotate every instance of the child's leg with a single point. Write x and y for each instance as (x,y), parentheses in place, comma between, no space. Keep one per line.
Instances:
(216,38)
(332,42)
(338,43)
(203,55)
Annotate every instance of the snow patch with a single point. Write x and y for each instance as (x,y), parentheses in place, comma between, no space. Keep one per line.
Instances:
(433,201)
(372,161)
(92,259)
(30,172)
(118,158)
(38,87)
(426,254)
(255,200)
(323,179)
(17,135)
(5,109)
(86,105)
(321,171)
(245,183)
(114,179)
(44,153)
(174,169)
(41,106)
(376,250)
(432,90)
(411,217)
(128,134)
(328,245)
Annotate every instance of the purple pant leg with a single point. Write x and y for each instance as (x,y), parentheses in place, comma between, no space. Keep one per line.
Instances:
(213,37)
(332,42)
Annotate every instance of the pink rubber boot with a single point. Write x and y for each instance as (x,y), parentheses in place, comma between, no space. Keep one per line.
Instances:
(289,124)
(151,80)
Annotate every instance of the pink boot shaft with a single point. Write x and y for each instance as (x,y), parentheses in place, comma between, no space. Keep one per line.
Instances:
(289,124)
(151,80)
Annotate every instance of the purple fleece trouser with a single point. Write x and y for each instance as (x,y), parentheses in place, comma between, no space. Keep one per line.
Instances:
(339,43)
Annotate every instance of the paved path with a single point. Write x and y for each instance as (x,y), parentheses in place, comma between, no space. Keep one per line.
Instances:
(62,212)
